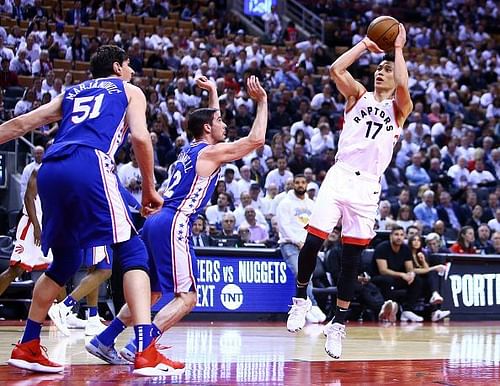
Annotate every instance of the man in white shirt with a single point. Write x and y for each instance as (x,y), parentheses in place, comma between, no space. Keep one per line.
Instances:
(245,181)
(326,95)
(280,175)
(293,215)
(304,125)
(239,212)
(460,173)
(215,213)
(322,140)
(494,224)
(479,176)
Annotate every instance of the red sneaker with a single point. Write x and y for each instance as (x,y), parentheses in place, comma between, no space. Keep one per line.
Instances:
(150,363)
(32,356)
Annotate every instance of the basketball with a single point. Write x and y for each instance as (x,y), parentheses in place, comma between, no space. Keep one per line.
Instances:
(383,31)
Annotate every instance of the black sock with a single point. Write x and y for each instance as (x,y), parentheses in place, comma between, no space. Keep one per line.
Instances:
(301,290)
(340,315)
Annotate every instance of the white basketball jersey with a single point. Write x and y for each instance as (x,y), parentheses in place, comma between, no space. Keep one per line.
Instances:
(369,134)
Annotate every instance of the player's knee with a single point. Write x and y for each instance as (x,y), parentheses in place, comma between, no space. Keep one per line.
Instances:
(104,274)
(131,255)
(155,296)
(189,299)
(66,262)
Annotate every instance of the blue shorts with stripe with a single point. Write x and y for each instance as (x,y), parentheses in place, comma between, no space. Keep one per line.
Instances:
(172,261)
(81,201)
(98,257)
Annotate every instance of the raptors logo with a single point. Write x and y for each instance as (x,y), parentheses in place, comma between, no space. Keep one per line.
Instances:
(19,249)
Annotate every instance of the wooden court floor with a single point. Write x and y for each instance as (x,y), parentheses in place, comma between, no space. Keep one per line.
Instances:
(262,353)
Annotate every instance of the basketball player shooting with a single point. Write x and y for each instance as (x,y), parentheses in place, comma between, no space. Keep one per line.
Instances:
(373,122)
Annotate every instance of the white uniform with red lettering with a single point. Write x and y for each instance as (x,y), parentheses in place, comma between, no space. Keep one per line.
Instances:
(351,188)
(26,253)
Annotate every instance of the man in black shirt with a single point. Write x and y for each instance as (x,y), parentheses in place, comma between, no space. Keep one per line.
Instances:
(394,270)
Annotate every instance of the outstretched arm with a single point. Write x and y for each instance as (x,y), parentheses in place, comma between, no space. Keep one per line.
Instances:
(402,97)
(213,99)
(344,81)
(213,156)
(45,114)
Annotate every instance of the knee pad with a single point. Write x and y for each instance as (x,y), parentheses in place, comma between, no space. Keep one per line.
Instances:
(351,256)
(131,255)
(67,260)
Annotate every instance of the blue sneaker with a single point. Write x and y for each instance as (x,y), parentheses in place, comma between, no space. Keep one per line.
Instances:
(106,353)
(128,352)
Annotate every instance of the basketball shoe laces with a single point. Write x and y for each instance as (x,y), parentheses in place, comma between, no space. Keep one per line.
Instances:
(168,361)
(43,352)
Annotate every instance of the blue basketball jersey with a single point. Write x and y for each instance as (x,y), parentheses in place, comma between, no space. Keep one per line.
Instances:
(187,192)
(93,115)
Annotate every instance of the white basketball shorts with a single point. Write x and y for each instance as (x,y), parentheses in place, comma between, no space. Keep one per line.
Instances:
(29,256)
(348,195)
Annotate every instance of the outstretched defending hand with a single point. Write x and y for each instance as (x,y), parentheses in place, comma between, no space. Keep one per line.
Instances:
(371,45)
(401,38)
(255,90)
(204,83)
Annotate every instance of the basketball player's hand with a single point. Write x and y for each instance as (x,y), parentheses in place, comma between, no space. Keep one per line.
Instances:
(371,45)
(204,83)
(151,203)
(255,90)
(37,235)
(401,38)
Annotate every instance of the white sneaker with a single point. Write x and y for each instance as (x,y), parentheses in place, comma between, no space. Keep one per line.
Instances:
(439,315)
(385,311)
(334,332)
(59,314)
(436,298)
(94,326)
(74,321)
(297,314)
(408,316)
(310,317)
(320,316)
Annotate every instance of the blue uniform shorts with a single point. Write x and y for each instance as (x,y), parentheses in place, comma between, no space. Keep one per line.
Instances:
(98,257)
(172,261)
(81,201)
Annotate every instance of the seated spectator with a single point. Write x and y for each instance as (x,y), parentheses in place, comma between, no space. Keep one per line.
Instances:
(430,277)
(405,217)
(298,161)
(384,217)
(25,104)
(244,235)
(494,248)
(215,213)
(465,241)
(78,15)
(490,209)
(482,242)
(227,237)
(8,78)
(239,212)
(394,270)
(199,232)
(466,209)
(448,211)
(475,220)
(494,223)
(480,177)
(425,211)
(280,175)
(433,244)
(415,173)
(258,232)
(322,140)
(20,64)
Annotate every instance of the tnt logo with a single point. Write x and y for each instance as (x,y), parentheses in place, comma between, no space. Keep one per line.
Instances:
(231,297)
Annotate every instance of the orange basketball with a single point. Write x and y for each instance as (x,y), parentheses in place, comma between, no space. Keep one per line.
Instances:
(383,31)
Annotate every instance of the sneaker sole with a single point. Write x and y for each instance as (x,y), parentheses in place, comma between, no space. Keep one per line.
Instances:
(36,367)
(97,353)
(331,355)
(154,372)
(57,322)
(385,315)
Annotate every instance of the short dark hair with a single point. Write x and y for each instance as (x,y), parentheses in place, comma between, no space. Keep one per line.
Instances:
(389,57)
(397,228)
(101,63)
(300,175)
(197,119)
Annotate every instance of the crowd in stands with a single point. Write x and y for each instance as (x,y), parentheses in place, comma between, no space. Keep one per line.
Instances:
(442,183)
